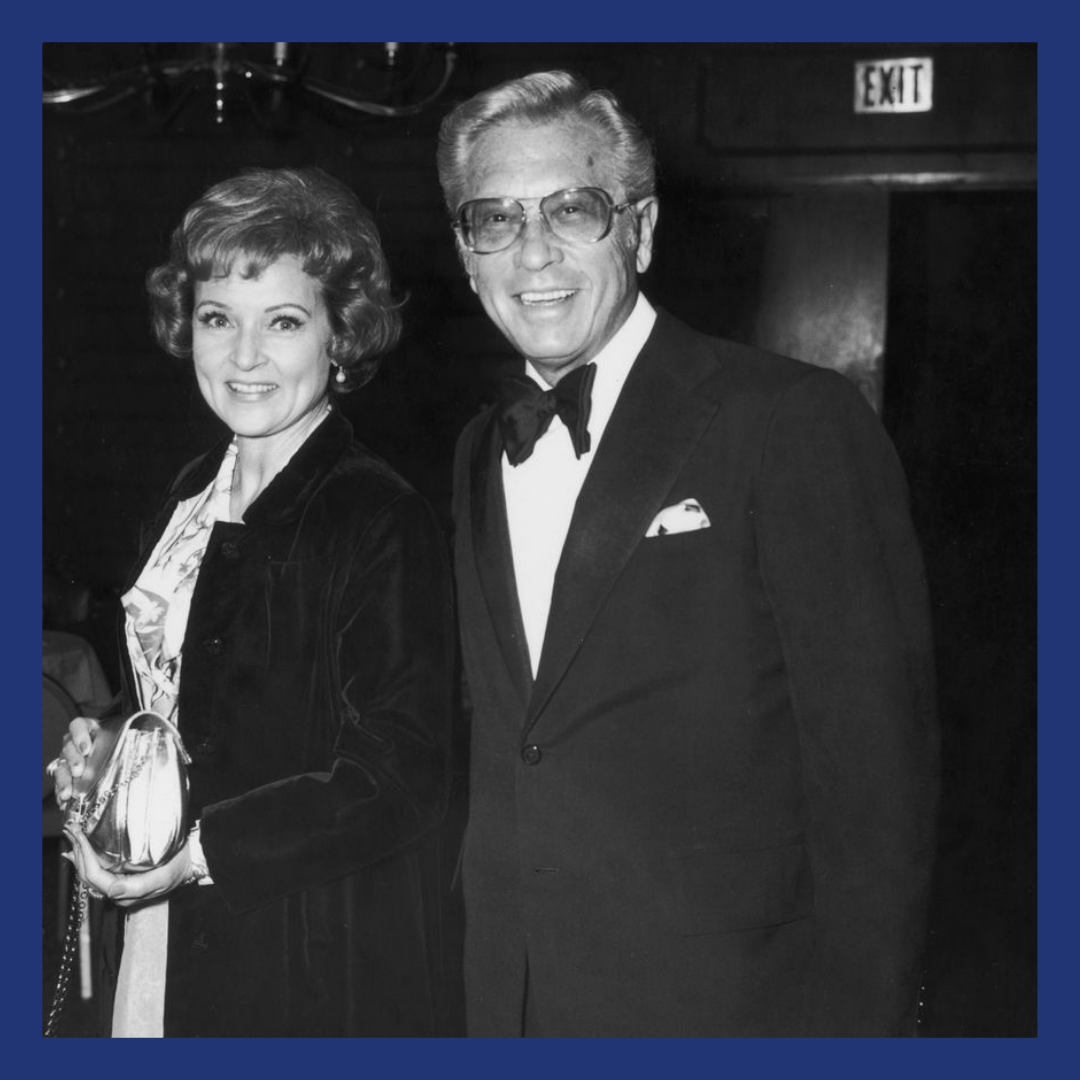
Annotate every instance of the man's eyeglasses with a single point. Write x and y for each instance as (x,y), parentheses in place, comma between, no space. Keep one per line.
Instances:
(577,215)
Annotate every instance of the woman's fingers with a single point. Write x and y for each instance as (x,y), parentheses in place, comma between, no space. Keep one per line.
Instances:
(125,889)
(71,763)
(87,864)
(62,787)
(83,730)
(78,742)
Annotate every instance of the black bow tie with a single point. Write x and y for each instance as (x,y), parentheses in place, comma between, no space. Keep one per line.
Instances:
(525,411)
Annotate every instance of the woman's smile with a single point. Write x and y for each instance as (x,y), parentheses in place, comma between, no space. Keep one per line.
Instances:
(251,389)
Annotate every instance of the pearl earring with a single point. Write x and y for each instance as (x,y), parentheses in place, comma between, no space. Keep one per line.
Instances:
(340,376)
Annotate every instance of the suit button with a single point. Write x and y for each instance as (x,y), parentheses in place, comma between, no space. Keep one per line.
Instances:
(215,646)
(206,748)
(230,550)
(531,755)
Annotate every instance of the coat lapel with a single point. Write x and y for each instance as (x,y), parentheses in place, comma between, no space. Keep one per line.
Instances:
(656,424)
(494,557)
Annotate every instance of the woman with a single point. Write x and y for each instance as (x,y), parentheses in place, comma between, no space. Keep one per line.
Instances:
(291,612)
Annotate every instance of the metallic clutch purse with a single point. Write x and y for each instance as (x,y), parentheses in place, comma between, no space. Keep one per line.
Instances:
(132,798)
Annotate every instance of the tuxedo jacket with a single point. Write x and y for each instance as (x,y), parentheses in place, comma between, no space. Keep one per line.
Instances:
(712,812)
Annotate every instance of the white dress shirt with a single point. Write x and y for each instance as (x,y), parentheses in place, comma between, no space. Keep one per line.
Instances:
(542,491)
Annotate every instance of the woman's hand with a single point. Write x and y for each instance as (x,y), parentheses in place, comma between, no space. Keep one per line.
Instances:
(125,889)
(73,754)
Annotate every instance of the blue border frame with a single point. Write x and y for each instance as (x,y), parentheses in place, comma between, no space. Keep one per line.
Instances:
(797,21)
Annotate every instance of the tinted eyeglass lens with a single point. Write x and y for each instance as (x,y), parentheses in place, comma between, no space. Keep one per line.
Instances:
(582,215)
(491,224)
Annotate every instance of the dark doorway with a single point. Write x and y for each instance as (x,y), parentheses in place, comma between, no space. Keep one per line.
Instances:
(960,404)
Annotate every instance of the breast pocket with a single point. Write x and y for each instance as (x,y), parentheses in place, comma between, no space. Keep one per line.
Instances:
(725,890)
(680,560)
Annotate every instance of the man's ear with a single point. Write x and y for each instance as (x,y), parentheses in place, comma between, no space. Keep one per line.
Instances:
(468,261)
(648,210)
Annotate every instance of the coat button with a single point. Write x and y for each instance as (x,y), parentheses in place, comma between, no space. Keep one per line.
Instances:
(215,646)
(206,748)
(531,755)
(230,550)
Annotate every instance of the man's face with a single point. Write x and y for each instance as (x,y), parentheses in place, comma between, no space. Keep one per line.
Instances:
(558,302)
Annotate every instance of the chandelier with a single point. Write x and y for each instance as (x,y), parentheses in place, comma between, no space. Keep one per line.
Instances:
(388,79)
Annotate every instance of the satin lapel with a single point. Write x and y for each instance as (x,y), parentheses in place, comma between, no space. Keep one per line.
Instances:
(494,557)
(655,426)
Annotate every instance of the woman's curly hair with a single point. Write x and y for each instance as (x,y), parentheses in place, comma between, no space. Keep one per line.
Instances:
(251,220)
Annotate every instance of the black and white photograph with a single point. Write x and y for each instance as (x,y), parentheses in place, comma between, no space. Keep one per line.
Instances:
(539,540)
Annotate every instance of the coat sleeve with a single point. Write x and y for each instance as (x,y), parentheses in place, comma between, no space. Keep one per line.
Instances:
(844,576)
(386,778)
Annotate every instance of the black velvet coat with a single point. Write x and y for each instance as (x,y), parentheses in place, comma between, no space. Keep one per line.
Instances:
(712,813)
(315,701)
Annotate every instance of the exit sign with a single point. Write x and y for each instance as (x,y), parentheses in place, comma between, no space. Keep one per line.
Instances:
(894,86)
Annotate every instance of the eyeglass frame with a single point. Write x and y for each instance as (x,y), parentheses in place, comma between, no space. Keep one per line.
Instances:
(612,207)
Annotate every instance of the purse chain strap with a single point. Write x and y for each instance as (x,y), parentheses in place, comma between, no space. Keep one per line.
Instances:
(76,914)
(122,781)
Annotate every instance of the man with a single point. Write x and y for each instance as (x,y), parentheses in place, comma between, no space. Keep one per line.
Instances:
(695,634)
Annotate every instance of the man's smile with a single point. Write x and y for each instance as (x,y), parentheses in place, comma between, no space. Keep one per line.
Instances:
(545,298)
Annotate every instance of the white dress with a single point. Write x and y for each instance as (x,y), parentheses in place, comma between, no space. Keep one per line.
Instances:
(156,613)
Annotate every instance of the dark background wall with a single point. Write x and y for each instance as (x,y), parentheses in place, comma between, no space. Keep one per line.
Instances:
(914,237)
(119,416)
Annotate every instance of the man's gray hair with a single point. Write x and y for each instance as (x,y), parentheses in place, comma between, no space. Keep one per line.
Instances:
(544,97)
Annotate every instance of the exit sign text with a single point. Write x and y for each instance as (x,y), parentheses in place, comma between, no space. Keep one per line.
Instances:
(894,86)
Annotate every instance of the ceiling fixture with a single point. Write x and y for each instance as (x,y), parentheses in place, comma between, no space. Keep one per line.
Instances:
(390,78)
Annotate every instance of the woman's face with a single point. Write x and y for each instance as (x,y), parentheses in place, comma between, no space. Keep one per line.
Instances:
(260,349)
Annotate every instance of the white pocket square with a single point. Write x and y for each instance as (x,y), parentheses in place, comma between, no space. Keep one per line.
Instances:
(682,517)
